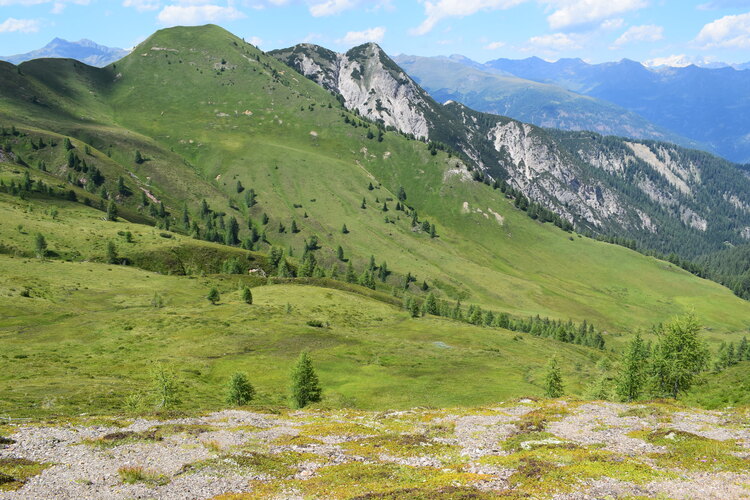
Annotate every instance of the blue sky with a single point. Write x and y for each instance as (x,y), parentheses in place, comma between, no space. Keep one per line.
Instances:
(594,30)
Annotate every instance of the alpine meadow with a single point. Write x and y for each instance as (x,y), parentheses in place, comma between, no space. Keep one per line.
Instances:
(229,273)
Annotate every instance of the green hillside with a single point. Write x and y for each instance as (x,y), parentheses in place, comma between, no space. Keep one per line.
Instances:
(205,111)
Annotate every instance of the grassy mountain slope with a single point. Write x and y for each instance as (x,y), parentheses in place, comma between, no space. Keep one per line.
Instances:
(294,149)
(664,197)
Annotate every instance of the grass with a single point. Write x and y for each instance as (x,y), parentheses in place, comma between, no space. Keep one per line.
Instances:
(80,335)
(688,451)
(137,474)
(14,472)
(195,152)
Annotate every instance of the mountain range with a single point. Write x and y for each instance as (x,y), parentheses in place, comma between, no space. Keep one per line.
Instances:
(709,106)
(664,197)
(84,50)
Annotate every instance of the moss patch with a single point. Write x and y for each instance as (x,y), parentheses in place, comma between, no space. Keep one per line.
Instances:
(275,465)
(691,452)
(355,480)
(14,472)
(400,445)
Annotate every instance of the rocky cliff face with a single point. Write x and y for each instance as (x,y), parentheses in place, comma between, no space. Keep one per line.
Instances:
(665,197)
(367,80)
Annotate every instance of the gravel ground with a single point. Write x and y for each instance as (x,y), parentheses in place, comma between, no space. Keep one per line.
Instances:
(82,470)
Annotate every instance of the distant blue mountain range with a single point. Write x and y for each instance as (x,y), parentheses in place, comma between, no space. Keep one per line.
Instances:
(85,51)
(708,105)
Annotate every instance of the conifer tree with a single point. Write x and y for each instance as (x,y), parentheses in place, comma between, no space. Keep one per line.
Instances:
(240,391)
(112,253)
(294,228)
(111,211)
(284,269)
(344,229)
(239,188)
(247,295)
(233,231)
(350,276)
(138,157)
(553,385)
(340,254)
(632,379)
(213,296)
(679,356)
(67,144)
(40,246)
(364,204)
(121,188)
(401,194)
(431,305)
(305,384)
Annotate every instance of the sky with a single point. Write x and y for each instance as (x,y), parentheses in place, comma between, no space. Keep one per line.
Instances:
(674,32)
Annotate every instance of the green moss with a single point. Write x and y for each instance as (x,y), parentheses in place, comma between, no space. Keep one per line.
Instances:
(400,445)
(344,429)
(550,469)
(274,465)
(289,440)
(133,475)
(354,480)
(691,452)
(14,472)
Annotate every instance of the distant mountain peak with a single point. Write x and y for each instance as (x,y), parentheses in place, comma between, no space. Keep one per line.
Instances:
(84,50)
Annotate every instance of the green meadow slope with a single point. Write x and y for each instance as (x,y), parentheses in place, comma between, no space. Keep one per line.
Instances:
(207,110)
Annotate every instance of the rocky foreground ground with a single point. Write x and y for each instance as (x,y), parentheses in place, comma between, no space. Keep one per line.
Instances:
(524,449)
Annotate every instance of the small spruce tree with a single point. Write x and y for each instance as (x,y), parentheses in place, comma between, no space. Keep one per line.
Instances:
(247,295)
(344,229)
(40,246)
(112,253)
(305,385)
(112,211)
(553,384)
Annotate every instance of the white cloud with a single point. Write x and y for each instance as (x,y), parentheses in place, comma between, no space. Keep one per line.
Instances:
(187,15)
(724,4)
(569,13)
(442,9)
(330,7)
(494,45)
(644,33)
(255,40)
(727,32)
(12,25)
(555,42)
(142,5)
(359,37)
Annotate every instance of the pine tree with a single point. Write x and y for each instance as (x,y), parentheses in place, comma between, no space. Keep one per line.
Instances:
(67,144)
(294,227)
(344,229)
(401,194)
(305,385)
(350,276)
(40,246)
(213,296)
(247,295)
(370,187)
(431,305)
(385,206)
(111,211)
(553,385)
(240,188)
(284,269)
(633,376)
(233,231)
(340,254)
(112,253)
(121,188)
(364,204)
(138,157)
(240,391)
(264,219)
(680,355)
